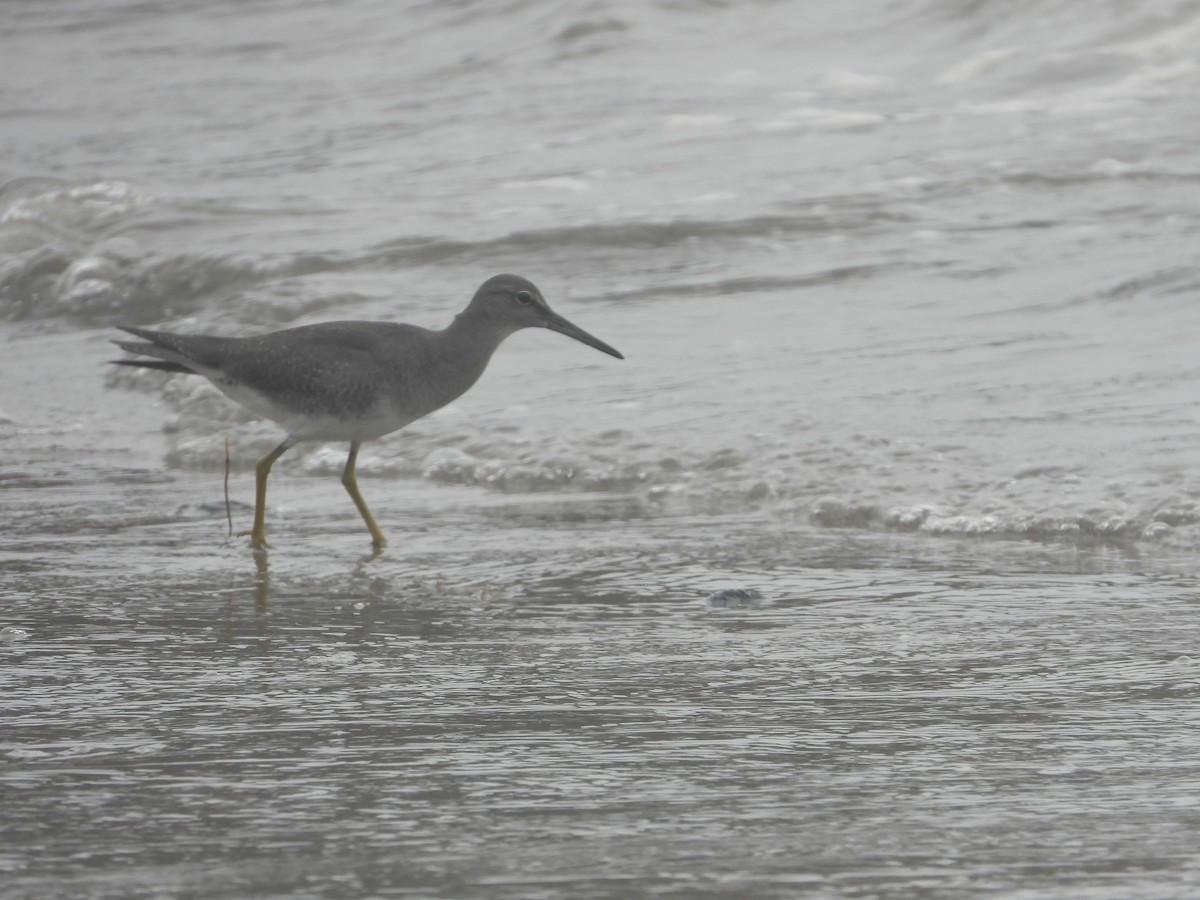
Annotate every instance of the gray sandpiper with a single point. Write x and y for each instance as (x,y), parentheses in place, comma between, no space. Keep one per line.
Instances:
(353,381)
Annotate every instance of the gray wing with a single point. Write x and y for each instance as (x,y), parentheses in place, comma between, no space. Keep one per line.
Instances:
(334,368)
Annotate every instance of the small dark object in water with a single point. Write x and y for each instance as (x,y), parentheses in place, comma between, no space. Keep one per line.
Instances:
(734,598)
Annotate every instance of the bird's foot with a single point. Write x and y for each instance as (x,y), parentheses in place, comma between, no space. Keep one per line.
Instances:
(258,539)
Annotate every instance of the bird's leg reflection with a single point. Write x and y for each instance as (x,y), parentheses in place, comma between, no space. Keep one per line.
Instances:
(262,581)
(376,553)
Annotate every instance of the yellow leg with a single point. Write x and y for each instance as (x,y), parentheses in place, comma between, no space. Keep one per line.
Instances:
(350,483)
(258,534)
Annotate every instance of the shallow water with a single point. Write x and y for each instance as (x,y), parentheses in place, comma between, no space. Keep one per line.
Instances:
(870,572)
(553,699)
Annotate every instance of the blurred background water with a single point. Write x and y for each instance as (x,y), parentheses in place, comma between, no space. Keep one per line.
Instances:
(869,572)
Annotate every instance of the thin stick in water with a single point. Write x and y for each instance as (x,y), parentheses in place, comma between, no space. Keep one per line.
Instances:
(228,511)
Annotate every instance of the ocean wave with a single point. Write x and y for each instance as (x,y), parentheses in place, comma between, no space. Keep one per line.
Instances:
(69,251)
(638,234)
(75,251)
(114,279)
(80,252)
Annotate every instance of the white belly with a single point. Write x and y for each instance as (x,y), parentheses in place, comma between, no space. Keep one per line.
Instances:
(384,419)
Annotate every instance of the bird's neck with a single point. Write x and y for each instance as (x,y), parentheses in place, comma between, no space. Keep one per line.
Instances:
(467,344)
(474,337)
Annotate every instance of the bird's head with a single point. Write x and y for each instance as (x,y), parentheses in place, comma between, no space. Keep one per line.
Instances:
(512,303)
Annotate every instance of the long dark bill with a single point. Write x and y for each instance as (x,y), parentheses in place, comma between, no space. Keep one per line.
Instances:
(555,322)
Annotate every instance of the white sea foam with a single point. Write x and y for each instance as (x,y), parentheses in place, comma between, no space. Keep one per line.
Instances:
(821,119)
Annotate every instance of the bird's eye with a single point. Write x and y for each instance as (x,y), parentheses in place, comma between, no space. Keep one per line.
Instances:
(524,298)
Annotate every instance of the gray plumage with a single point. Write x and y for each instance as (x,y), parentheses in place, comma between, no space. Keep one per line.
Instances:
(356,380)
